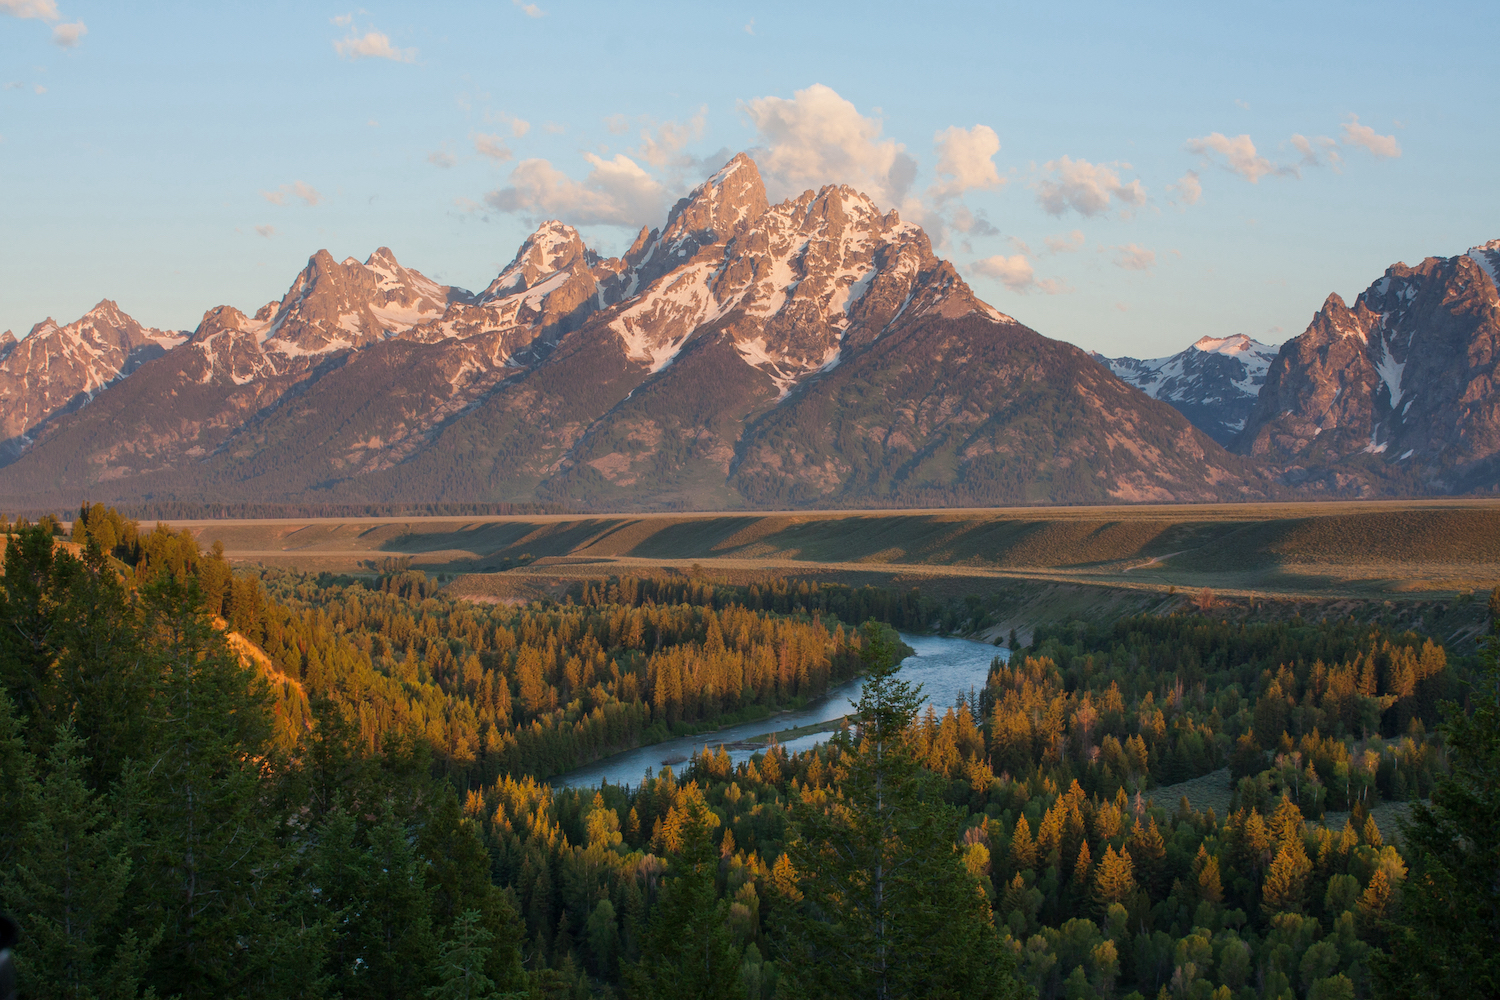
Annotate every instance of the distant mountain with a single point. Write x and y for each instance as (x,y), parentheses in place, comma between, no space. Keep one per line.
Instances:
(814,352)
(57,369)
(1396,394)
(1214,383)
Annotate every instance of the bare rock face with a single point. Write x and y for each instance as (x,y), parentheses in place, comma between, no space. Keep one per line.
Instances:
(1396,393)
(58,369)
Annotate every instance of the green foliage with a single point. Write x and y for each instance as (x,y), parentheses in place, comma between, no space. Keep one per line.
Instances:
(1445,937)
(888,908)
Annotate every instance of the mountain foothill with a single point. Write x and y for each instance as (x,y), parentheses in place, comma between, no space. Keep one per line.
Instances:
(812,353)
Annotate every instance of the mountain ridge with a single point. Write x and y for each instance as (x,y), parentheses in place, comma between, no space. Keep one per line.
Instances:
(815,352)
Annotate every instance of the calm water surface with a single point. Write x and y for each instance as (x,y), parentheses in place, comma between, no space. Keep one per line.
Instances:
(944,667)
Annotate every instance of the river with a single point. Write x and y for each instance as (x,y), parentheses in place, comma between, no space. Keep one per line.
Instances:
(944,667)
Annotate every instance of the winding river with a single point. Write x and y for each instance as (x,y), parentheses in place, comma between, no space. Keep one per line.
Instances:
(944,667)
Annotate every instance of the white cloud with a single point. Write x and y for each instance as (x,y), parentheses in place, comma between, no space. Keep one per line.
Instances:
(529,9)
(750,28)
(555,128)
(616,192)
(1383,146)
(441,158)
(372,45)
(297,189)
(67,35)
(342,20)
(665,146)
(1239,156)
(42,10)
(1084,187)
(1016,273)
(1067,243)
(819,138)
(266,231)
(966,221)
(1188,188)
(492,146)
(1134,257)
(38,89)
(617,124)
(1315,149)
(965,159)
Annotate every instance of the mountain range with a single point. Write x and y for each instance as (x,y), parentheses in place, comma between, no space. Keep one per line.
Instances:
(812,353)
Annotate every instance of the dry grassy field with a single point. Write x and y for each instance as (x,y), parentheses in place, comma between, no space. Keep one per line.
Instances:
(1357,549)
(1045,563)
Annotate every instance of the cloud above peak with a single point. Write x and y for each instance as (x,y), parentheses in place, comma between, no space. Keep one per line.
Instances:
(965,161)
(817,137)
(617,192)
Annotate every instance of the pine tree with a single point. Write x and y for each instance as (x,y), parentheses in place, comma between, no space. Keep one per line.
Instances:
(1286,881)
(1446,937)
(461,962)
(889,909)
(69,887)
(1115,880)
(211,873)
(688,952)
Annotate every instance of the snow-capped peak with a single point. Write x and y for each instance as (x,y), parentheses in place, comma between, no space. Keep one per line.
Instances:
(1487,256)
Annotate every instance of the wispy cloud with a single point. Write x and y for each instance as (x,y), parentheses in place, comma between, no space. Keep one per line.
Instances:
(1317,150)
(750,28)
(492,147)
(1188,188)
(441,158)
(297,189)
(1067,243)
(372,45)
(67,35)
(266,231)
(529,9)
(1134,257)
(41,10)
(1238,155)
(1016,273)
(1384,147)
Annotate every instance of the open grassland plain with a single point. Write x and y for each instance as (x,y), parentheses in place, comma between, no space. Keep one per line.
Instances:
(1403,562)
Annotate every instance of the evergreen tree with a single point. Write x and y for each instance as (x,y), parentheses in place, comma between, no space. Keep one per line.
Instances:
(211,872)
(1446,939)
(688,952)
(68,888)
(461,962)
(888,908)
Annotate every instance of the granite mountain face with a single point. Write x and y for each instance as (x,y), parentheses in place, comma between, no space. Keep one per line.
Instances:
(1396,394)
(811,353)
(56,370)
(1214,383)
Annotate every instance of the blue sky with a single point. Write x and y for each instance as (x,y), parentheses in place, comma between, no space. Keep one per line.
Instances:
(1125,177)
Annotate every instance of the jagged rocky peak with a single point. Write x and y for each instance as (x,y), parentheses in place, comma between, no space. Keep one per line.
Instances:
(1395,386)
(1487,257)
(335,305)
(728,202)
(790,284)
(553,247)
(58,369)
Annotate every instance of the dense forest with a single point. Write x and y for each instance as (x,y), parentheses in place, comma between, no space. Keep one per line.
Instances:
(280,784)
